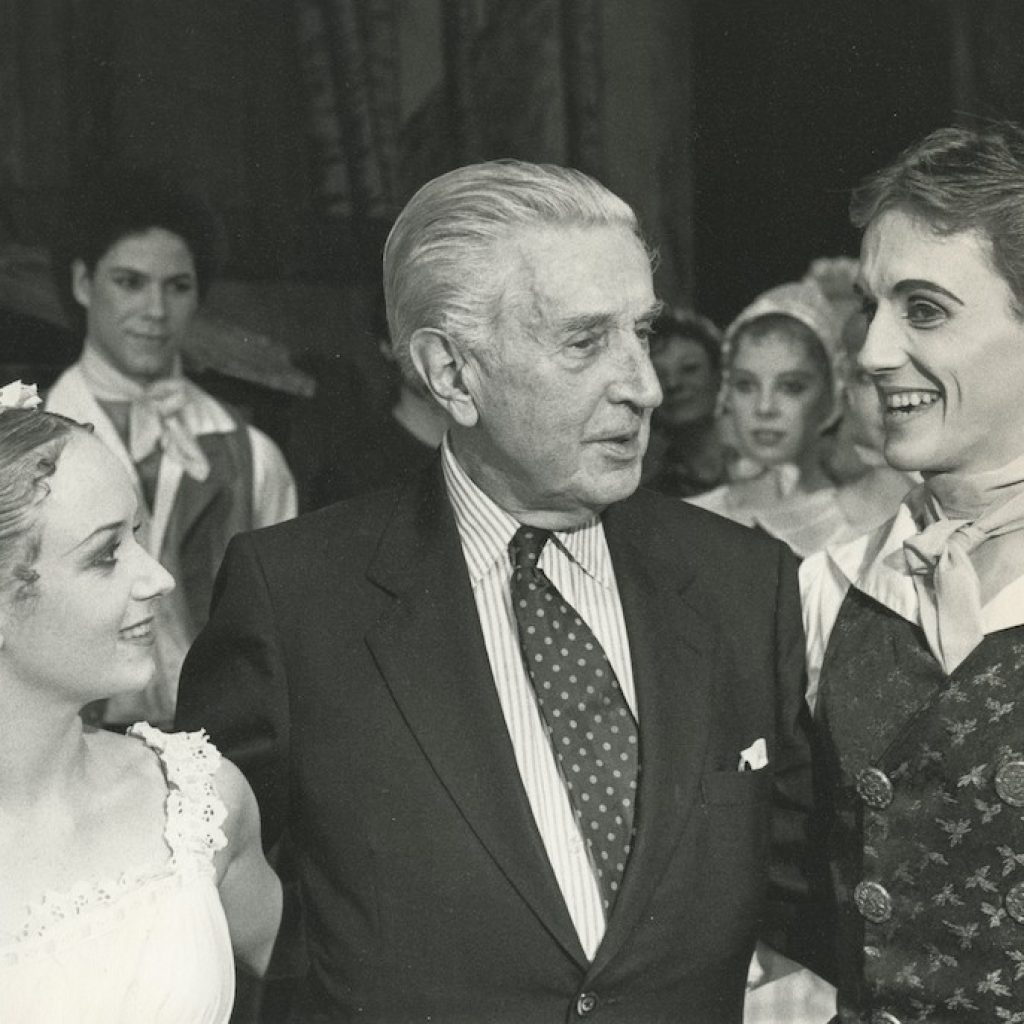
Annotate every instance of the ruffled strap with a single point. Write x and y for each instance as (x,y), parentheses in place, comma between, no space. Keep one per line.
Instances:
(195,813)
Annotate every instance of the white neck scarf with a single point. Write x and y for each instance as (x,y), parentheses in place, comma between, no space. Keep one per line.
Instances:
(155,416)
(958,514)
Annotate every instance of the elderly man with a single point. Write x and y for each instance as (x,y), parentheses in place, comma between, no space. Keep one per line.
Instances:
(523,728)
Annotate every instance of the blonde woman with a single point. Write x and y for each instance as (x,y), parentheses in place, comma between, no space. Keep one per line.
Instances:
(131,869)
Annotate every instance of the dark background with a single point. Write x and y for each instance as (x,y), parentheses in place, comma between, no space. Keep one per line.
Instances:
(794,103)
(735,128)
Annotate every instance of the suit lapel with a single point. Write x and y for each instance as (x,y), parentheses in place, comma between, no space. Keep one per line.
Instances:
(671,647)
(431,653)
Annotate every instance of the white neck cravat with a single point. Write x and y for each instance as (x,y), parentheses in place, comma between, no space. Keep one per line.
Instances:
(155,416)
(959,514)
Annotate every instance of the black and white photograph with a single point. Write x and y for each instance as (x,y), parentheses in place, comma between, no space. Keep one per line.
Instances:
(511,512)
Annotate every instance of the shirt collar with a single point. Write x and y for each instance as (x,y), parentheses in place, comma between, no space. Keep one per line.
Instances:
(874,563)
(485,529)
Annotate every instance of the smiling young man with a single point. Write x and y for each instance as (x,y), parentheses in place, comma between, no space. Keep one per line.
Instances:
(944,319)
(139,261)
(916,631)
(500,715)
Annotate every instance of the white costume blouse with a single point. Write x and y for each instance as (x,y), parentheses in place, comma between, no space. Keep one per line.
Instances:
(151,946)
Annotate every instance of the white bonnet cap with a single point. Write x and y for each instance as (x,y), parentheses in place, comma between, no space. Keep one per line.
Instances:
(805,302)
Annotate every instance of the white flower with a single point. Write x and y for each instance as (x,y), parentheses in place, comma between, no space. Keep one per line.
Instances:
(19,396)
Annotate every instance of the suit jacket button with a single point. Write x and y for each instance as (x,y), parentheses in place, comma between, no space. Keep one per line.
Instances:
(874,787)
(873,901)
(1015,903)
(1009,783)
(586,1004)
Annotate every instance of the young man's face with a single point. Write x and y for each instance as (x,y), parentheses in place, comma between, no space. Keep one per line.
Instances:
(945,347)
(139,302)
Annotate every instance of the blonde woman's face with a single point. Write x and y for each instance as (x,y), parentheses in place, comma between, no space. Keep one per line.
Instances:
(778,397)
(86,629)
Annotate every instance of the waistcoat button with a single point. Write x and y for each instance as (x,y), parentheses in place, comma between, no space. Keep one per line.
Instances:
(1009,782)
(873,901)
(874,787)
(1015,903)
(884,1017)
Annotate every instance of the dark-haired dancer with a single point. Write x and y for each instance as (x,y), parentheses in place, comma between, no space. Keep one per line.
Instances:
(916,632)
(140,259)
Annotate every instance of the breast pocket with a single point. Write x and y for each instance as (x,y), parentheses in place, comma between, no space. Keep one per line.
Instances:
(726,789)
(730,843)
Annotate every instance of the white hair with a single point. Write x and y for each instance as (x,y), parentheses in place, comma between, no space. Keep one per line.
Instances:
(439,267)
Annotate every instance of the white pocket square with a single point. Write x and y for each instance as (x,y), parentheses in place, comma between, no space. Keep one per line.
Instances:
(754,757)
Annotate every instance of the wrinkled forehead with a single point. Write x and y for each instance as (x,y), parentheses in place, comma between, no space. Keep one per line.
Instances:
(576,270)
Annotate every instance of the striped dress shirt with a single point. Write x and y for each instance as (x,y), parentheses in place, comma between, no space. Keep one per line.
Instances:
(579,565)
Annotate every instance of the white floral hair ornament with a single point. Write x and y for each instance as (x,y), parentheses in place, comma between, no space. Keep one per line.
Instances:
(19,396)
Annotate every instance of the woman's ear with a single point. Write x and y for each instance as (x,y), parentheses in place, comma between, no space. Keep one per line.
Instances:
(81,283)
(443,369)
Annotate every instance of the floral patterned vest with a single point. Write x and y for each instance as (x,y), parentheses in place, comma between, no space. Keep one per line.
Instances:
(925,788)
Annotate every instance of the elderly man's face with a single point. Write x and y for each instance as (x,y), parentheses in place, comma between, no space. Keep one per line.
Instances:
(944,346)
(564,391)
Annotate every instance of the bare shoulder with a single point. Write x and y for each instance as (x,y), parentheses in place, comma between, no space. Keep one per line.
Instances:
(232,787)
(124,761)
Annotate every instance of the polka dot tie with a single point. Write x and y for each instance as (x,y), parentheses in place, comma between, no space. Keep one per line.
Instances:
(590,726)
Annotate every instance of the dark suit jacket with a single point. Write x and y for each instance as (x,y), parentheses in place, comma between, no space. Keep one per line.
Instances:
(344,669)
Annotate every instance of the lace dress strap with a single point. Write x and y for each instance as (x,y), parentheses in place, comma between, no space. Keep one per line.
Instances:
(195,813)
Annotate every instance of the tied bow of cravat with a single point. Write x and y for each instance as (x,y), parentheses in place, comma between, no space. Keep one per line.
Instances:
(960,515)
(155,421)
(948,590)
(156,416)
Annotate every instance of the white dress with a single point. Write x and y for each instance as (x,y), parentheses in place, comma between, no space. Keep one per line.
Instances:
(151,947)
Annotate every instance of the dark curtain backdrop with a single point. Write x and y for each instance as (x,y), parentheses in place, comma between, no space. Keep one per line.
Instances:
(288,110)
(734,126)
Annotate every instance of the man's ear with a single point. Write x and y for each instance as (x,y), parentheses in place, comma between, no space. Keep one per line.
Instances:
(81,283)
(441,366)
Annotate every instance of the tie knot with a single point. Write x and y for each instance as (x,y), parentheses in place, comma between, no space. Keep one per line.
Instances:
(165,397)
(525,547)
(924,551)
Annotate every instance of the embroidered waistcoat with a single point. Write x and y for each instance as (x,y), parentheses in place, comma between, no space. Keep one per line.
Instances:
(925,781)
(206,515)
